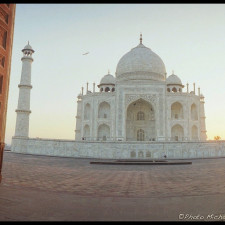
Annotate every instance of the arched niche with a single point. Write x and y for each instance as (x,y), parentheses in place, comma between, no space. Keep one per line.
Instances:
(194,113)
(140,135)
(177,133)
(174,89)
(104,110)
(86,132)
(140,115)
(103,132)
(107,89)
(177,111)
(87,111)
(194,133)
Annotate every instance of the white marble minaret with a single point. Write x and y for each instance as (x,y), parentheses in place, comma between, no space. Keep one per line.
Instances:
(23,108)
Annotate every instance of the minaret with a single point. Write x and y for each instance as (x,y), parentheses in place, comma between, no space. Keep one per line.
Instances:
(93,87)
(203,135)
(78,118)
(23,108)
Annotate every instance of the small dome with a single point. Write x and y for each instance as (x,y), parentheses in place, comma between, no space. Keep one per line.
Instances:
(28,47)
(108,79)
(173,79)
(79,96)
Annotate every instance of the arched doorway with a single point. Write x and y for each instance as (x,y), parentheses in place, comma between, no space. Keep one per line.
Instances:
(194,113)
(86,133)
(140,121)
(140,135)
(87,111)
(194,133)
(176,111)
(104,110)
(177,133)
(103,132)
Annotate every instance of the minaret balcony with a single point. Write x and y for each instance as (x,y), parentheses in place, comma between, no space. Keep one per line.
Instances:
(25,85)
(23,111)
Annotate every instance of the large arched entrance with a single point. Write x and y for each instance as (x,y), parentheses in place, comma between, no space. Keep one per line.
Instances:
(140,121)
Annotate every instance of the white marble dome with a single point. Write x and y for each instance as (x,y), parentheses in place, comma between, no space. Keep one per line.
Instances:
(108,79)
(173,79)
(141,63)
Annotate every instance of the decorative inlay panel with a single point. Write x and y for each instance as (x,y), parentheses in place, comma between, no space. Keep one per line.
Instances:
(4,16)
(148,97)
(2,60)
(3,37)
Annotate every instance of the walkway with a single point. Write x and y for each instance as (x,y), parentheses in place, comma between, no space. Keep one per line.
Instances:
(37,188)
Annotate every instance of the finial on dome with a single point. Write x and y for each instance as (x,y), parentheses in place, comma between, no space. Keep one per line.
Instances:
(141,38)
(108,71)
(173,72)
(28,43)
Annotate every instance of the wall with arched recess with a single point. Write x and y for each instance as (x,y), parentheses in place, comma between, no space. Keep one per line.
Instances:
(177,110)
(103,132)
(140,115)
(104,110)
(87,111)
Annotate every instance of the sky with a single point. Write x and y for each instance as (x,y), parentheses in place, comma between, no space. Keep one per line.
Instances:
(189,38)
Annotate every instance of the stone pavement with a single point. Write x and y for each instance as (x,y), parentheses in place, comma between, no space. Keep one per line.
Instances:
(45,188)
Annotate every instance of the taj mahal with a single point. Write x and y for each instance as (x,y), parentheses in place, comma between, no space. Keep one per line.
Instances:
(140,104)
(138,113)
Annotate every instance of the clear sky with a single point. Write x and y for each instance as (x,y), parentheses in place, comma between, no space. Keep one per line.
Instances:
(189,38)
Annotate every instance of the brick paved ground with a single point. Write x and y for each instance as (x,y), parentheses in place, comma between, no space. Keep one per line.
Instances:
(54,188)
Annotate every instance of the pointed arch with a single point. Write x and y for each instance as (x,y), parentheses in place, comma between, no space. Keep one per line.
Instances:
(194,113)
(140,135)
(104,110)
(177,133)
(103,132)
(87,111)
(140,115)
(86,132)
(194,133)
(177,111)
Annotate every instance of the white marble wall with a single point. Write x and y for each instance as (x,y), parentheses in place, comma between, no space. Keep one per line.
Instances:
(154,92)
(118,150)
(94,100)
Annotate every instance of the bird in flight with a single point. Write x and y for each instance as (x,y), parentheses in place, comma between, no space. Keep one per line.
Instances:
(86,53)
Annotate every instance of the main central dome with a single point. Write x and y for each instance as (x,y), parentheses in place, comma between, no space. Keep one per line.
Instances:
(141,63)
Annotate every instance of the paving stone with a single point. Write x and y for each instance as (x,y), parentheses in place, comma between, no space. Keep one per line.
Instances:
(62,177)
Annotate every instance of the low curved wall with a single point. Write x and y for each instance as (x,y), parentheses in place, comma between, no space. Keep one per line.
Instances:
(118,150)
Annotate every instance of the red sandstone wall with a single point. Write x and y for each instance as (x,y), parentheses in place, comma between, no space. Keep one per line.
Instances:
(7,18)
